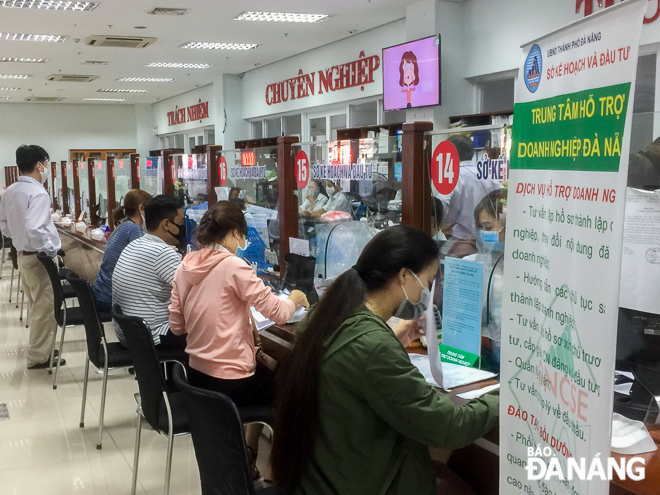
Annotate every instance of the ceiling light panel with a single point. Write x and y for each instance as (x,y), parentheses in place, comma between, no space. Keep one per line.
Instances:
(172,65)
(104,99)
(5,97)
(146,79)
(115,90)
(49,5)
(280,17)
(201,45)
(9,89)
(16,76)
(47,38)
(22,60)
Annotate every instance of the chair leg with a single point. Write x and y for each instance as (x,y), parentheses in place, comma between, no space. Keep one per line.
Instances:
(27,315)
(2,263)
(102,413)
(59,358)
(52,351)
(136,453)
(22,305)
(168,462)
(11,283)
(18,288)
(84,398)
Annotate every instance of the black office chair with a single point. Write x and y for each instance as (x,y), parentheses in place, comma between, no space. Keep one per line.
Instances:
(299,274)
(102,354)
(216,426)
(65,316)
(162,409)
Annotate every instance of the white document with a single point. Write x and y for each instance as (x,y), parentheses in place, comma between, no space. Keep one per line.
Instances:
(299,246)
(453,375)
(640,261)
(473,394)
(432,344)
(260,320)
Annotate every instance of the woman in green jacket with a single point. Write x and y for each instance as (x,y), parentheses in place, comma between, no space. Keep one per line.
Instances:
(353,414)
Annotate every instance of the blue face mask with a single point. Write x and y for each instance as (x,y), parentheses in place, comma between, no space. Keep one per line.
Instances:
(240,251)
(489,241)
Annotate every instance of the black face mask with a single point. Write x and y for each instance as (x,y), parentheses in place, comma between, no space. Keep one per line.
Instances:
(181,236)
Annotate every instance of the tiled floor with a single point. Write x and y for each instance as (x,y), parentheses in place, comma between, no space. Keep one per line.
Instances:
(42,448)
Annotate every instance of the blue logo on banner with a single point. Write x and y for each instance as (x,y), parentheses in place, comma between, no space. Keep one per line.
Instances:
(533,69)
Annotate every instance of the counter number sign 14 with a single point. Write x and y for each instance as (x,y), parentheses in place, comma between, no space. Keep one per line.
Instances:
(222,170)
(445,167)
(302,170)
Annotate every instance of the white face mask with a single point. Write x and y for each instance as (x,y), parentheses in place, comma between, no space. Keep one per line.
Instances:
(44,174)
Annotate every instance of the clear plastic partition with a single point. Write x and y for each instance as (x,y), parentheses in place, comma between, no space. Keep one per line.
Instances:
(251,182)
(468,214)
(190,187)
(70,189)
(101,180)
(353,191)
(83,184)
(58,196)
(122,180)
(151,174)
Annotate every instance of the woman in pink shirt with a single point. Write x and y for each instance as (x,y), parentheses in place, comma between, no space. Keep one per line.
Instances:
(212,292)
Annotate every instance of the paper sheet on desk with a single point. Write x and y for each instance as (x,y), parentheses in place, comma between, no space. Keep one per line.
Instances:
(640,260)
(473,394)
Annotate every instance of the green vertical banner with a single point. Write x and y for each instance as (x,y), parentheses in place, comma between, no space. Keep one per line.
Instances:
(567,185)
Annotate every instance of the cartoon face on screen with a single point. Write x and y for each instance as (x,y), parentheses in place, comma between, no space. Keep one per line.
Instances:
(408,74)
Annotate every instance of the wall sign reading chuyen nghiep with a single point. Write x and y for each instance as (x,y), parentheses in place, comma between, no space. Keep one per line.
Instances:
(338,77)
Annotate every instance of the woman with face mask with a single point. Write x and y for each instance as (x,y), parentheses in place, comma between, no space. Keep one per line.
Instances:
(353,414)
(129,225)
(315,200)
(212,293)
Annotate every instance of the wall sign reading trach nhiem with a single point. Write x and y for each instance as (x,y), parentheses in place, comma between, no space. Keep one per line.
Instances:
(567,181)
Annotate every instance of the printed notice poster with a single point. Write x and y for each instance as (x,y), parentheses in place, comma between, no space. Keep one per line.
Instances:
(567,188)
(461,311)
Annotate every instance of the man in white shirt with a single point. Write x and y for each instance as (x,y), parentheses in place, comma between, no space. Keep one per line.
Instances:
(338,201)
(459,205)
(25,218)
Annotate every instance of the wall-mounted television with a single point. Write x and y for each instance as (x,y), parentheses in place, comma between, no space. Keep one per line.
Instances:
(411,74)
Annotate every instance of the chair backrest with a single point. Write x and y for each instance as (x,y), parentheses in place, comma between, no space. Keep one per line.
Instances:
(13,254)
(54,276)
(218,438)
(149,374)
(93,327)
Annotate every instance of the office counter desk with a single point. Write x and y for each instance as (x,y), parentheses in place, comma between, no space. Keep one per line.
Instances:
(83,254)
(479,463)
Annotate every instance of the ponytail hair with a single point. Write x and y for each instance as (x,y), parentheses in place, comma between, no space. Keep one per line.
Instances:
(298,375)
(132,202)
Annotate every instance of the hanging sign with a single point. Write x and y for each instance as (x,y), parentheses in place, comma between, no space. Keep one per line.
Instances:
(302,170)
(445,167)
(222,171)
(567,187)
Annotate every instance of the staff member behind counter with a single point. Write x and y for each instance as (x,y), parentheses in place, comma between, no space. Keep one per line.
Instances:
(353,414)
(130,221)
(25,218)
(315,200)
(212,292)
(337,201)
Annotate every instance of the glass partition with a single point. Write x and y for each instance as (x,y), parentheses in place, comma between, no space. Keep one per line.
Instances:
(83,183)
(71,190)
(468,214)
(190,187)
(352,192)
(151,174)
(122,180)
(101,179)
(251,181)
(58,196)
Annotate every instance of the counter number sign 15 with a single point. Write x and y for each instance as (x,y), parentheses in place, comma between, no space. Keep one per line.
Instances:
(222,170)
(445,167)
(302,170)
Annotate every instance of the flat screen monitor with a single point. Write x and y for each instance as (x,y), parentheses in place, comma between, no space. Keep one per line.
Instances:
(411,74)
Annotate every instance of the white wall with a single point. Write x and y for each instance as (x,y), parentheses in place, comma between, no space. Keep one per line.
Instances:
(237,129)
(144,122)
(205,94)
(59,128)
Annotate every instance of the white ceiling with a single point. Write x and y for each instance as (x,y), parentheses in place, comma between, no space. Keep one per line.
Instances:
(208,20)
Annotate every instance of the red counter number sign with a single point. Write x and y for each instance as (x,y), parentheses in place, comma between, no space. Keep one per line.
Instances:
(302,170)
(445,167)
(222,170)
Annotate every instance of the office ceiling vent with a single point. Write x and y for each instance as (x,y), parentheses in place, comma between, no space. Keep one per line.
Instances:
(120,41)
(96,62)
(43,99)
(168,11)
(79,78)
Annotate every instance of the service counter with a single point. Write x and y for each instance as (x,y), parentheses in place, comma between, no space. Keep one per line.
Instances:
(479,463)
(83,254)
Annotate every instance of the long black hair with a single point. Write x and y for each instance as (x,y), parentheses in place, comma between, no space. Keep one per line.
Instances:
(297,401)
